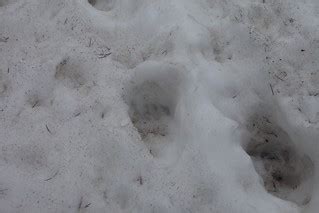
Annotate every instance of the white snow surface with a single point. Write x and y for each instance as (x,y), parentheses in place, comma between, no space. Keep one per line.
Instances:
(159,106)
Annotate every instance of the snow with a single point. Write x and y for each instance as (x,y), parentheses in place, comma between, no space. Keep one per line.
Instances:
(159,106)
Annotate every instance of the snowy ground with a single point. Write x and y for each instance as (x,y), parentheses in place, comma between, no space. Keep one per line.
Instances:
(159,106)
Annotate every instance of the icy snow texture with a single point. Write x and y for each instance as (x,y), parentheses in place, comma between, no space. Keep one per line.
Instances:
(159,106)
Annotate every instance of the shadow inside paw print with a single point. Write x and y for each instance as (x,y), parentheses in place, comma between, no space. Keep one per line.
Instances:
(152,96)
(150,110)
(286,173)
(103,5)
(70,74)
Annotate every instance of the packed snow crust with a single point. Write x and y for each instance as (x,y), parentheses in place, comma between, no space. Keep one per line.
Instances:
(159,106)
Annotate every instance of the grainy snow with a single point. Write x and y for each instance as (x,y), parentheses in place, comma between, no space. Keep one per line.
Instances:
(159,106)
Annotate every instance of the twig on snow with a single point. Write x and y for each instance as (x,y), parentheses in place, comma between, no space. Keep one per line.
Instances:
(103,55)
(46,126)
(53,176)
(272,90)
(4,39)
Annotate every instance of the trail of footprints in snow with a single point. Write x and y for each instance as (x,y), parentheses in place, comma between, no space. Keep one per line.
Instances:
(286,174)
(152,102)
